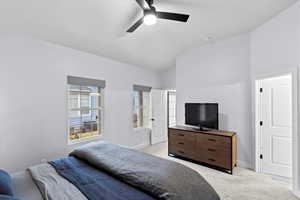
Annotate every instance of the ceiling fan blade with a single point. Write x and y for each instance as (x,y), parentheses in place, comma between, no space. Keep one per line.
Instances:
(143,4)
(136,25)
(173,16)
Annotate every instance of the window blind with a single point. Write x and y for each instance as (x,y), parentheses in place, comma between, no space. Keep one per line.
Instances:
(73,80)
(141,88)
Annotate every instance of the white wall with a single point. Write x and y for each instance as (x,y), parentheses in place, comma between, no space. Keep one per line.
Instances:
(275,48)
(168,79)
(33,99)
(219,72)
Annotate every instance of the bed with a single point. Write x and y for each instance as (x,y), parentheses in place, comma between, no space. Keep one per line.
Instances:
(24,186)
(101,170)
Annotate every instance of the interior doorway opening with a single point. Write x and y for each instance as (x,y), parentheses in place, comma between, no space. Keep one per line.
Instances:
(171,108)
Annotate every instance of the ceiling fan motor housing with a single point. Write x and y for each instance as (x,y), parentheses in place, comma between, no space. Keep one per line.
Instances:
(150,12)
(150,2)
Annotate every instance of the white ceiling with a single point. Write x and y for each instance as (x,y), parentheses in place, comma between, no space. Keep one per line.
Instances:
(99,26)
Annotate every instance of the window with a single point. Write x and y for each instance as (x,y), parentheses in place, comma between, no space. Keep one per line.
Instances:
(85,98)
(172,108)
(141,106)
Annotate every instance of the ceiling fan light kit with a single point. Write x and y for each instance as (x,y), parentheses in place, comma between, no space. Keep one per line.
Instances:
(151,15)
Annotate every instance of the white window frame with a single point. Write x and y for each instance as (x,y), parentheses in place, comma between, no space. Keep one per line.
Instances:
(144,107)
(80,109)
(140,110)
(100,118)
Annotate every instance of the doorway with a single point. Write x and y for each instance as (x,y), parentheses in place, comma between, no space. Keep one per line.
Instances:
(274,125)
(159,122)
(171,108)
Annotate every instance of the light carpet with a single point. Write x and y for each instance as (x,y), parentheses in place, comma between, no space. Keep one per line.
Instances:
(244,184)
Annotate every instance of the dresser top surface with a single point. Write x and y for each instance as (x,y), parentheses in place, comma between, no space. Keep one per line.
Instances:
(212,132)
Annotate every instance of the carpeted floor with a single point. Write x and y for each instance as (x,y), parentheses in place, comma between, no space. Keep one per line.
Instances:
(244,184)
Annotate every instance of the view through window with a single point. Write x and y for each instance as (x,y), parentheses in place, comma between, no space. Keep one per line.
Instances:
(141,109)
(84,111)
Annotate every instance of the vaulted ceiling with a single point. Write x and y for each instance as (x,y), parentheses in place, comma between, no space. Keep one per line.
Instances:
(99,26)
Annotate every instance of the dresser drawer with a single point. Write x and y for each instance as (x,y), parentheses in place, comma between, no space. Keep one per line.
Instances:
(183,143)
(224,163)
(213,141)
(182,135)
(216,161)
(215,156)
(182,152)
(214,152)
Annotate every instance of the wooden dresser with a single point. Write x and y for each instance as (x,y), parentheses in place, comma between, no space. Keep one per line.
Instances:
(217,149)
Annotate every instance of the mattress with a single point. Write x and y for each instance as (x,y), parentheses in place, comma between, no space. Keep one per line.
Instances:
(24,187)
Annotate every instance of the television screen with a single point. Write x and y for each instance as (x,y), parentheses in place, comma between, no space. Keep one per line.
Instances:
(204,115)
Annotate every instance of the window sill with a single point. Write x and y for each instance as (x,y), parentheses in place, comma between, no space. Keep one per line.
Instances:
(84,140)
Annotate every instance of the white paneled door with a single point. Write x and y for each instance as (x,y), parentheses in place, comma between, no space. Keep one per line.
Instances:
(159,116)
(276,126)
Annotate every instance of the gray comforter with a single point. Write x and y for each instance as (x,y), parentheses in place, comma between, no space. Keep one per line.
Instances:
(161,178)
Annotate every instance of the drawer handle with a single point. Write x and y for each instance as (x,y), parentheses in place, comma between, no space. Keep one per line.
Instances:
(181,152)
(212,150)
(182,143)
(180,134)
(210,159)
(212,140)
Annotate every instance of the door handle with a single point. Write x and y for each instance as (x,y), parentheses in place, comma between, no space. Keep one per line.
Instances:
(152,119)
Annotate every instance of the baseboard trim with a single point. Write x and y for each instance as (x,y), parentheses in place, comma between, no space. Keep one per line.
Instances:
(296,193)
(243,164)
(139,146)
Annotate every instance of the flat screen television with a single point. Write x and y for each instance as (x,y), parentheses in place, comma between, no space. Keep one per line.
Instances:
(203,115)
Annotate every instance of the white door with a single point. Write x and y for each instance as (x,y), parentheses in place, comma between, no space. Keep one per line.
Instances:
(276,127)
(159,116)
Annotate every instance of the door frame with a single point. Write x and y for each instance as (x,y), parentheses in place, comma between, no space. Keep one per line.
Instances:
(295,120)
(168,106)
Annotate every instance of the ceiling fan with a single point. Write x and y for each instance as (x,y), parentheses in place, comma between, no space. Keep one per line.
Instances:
(151,15)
